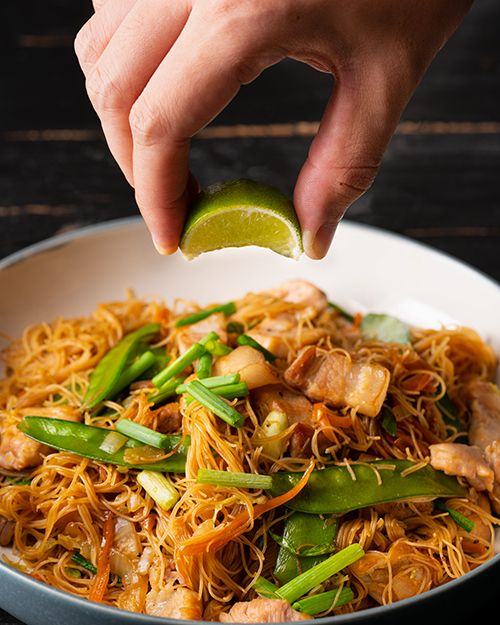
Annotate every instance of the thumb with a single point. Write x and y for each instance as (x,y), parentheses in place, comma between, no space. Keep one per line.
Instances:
(344,158)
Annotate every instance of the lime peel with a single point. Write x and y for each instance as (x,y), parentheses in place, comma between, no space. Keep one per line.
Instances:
(240,213)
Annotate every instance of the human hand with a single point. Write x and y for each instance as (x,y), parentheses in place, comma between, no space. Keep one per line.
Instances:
(158,71)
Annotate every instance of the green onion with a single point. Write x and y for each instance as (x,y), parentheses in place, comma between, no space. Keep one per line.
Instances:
(217,348)
(244,339)
(234,479)
(235,327)
(73,572)
(227,309)
(204,368)
(113,442)
(389,422)
(162,360)
(166,391)
(461,520)
(214,403)
(77,558)
(302,584)
(265,588)
(179,364)
(231,391)
(16,481)
(159,488)
(213,381)
(342,312)
(324,601)
(142,433)
(131,373)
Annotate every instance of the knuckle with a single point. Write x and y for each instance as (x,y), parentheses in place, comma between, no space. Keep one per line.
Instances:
(352,181)
(85,45)
(146,125)
(104,92)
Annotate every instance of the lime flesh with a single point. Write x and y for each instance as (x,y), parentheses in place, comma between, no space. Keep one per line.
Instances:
(240,213)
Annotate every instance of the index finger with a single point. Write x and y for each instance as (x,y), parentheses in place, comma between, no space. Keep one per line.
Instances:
(200,75)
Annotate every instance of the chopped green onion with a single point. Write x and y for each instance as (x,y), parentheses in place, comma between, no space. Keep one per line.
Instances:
(159,488)
(460,519)
(162,360)
(302,584)
(231,391)
(204,368)
(342,312)
(234,479)
(77,558)
(324,601)
(227,309)
(166,391)
(143,434)
(244,339)
(217,348)
(73,572)
(389,422)
(214,403)
(235,327)
(265,588)
(274,424)
(179,364)
(113,442)
(213,381)
(131,373)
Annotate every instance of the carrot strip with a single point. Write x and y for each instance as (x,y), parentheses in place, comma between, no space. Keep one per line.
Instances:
(218,537)
(102,577)
(417,382)
(358,318)
(325,416)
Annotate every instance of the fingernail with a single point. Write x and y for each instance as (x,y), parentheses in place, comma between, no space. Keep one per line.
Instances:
(316,244)
(161,249)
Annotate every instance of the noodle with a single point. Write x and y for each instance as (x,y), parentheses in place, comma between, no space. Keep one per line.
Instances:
(64,507)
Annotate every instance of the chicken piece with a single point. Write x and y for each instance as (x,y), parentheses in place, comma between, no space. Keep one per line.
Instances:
(180,603)
(463,460)
(193,333)
(18,451)
(484,430)
(402,564)
(277,397)
(169,418)
(334,379)
(249,363)
(262,611)
(281,333)
(302,293)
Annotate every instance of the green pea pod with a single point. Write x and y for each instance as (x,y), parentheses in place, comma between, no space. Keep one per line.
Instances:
(334,491)
(86,440)
(305,534)
(106,374)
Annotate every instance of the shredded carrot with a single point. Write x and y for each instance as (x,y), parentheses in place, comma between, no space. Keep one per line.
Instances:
(325,417)
(417,382)
(217,538)
(102,576)
(358,318)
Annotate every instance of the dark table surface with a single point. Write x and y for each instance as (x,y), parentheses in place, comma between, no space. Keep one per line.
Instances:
(439,182)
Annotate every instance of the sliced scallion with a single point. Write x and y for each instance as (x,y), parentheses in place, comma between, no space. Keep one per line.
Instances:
(227,309)
(216,404)
(234,479)
(143,434)
(264,588)
(217,348)
(159,488)
(213,381)
(460,519)
(77,558)
(165,391)
(113,442)
(231,391)
(302,584)
(204,368)
(132,372)
(244,339)
(315,604)
(179,364)
(235,327)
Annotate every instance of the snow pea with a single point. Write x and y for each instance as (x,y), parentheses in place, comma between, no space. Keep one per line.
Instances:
(107,373)
(307,540)
(86,440)
(334,491)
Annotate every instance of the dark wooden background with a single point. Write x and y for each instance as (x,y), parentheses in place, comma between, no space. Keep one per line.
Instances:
(439,182)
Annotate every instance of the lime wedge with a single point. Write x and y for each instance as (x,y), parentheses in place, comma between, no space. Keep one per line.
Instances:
(239,213)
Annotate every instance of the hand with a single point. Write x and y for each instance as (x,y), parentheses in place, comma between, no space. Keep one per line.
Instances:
(157,71)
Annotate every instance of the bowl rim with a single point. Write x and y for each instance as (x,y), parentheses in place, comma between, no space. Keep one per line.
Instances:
(101,610)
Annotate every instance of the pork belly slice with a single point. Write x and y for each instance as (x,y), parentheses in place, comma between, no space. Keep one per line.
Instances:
(464,461)
(335,379)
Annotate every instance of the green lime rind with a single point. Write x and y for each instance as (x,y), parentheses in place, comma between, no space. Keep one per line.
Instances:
(240,213)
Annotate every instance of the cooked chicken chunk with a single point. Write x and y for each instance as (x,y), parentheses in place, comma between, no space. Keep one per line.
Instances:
(196,331)
(277,397)
(463,460)
(485,419)
(336,380)
(402,564)
(249,363)
(301,292)
(180,603)
(262,611)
